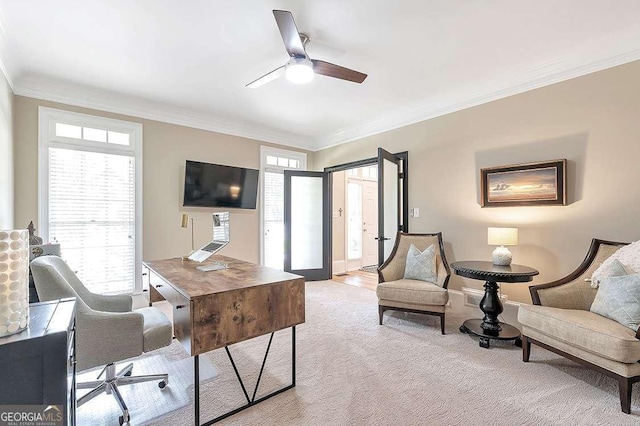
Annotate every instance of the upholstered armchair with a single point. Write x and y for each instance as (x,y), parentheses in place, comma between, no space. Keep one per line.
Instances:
(409,295)
(107,330)
(560,321)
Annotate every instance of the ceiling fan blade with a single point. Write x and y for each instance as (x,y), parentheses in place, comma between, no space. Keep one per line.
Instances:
(289,33)
(336,71)
(275,74)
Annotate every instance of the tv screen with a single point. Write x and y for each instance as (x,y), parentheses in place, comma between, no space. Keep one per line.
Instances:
(215,185)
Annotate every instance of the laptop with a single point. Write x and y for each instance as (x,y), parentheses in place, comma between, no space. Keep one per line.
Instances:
(220,238)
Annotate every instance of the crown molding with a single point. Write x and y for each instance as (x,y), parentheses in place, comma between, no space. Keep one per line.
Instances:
(617,49)
(606,53)
(88,97)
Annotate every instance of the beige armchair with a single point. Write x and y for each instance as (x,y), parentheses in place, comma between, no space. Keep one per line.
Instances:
(560,321)
(407,295)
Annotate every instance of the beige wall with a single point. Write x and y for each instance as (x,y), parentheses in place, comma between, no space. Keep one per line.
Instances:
(592,121)
(6,154)
(165,149)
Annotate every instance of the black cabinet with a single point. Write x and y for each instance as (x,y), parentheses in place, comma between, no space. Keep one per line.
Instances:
(37,365)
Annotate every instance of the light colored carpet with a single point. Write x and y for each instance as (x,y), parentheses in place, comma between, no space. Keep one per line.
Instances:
(351,371)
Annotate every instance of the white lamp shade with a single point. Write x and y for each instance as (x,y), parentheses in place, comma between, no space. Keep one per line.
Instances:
(14,281)
(502,236)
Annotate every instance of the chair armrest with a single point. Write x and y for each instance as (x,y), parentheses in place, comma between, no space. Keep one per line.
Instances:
(574,294)
(105,337)
(572,291)
(111,303)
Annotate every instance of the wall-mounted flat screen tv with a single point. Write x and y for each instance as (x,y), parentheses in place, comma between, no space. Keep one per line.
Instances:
(215,185)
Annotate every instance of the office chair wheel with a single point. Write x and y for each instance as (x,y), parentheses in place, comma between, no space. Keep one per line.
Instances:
(122,419)
(162,384)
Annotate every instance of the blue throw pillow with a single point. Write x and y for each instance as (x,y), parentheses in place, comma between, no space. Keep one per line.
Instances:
(421,265)
(618,298)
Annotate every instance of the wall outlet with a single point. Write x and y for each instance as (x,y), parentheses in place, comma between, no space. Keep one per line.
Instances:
(415,212)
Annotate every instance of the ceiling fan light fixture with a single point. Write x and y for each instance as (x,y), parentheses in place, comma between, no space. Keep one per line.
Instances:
(299,70)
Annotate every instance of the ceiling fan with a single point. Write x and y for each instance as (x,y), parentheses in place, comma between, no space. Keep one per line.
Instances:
(301,68)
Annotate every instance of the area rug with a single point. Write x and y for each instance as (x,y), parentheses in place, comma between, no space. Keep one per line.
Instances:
(352,371)
(146,401)
(373,269)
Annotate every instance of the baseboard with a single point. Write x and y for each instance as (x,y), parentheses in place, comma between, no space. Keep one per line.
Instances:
(339,266)
(458,307)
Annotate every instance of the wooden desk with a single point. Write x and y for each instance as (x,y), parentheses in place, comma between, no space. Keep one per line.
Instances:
(216,309)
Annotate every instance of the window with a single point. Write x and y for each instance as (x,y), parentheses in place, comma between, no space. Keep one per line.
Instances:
(273,164)
(90,192)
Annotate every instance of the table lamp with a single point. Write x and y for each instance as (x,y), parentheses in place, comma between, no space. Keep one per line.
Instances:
(184,223)
(502,237)
(14,281)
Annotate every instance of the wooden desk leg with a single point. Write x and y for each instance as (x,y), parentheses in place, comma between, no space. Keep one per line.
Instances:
(196,389)
(293,356)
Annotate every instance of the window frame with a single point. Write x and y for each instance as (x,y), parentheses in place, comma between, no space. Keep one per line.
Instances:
(47,138)
(264,167)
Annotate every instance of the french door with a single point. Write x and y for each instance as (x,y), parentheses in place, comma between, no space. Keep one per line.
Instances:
(392,201)
(307,213)
(307,224)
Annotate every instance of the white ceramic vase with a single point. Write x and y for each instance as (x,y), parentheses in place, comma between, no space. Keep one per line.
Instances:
(14,281)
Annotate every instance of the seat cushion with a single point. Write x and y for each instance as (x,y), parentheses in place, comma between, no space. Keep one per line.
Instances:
(413,291)
(157,330)
(583,329)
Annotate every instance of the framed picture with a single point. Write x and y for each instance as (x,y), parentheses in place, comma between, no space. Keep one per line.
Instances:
(532,184)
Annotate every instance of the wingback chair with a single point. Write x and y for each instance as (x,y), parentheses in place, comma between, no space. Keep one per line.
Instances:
(560,321)
(409,295)
(107,330)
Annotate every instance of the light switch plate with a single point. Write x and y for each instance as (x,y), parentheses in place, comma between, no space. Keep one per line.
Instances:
(416,212)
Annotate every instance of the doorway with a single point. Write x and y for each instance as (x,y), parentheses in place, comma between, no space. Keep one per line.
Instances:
(310,213)
(355,227)
(355,219)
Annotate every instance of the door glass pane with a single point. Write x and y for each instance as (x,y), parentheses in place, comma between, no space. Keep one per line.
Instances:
(274,220)
(306,223)
(390,186)
(354,206)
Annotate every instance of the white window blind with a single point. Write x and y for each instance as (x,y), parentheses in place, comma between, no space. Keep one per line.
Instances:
(90,198)
(92,215)
(273,219)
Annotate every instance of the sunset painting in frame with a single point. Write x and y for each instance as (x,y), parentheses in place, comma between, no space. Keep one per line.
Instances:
(524,184)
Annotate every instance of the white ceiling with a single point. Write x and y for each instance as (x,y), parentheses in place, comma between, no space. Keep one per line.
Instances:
(188,62)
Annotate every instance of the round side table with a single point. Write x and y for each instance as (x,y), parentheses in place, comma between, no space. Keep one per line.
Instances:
(490,327)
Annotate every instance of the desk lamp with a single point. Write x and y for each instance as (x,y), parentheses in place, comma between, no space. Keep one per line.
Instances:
(184,223)
(14,281)
(502,237)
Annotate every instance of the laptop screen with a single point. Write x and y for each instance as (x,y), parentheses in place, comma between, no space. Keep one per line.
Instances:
(221,227)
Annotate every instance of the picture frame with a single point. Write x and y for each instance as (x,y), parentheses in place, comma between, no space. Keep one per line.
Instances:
(531,184)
